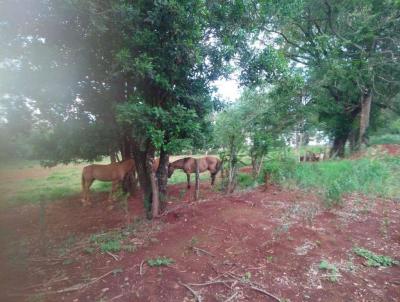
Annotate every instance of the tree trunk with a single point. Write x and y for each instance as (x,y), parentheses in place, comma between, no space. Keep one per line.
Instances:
(338,147)
(366,100)
(142,161)
(256,162)
(253,164)
(162,177)
(155,203)
(113,158)
(197,186)
(130,182)
(232,173)
(353,141)
(299,145)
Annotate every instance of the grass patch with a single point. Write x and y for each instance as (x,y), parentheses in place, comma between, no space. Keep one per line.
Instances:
(112,241)
(160,261)
(47,184)
(180,177)
(44,193)
(385,139)
(332,271)
(376,177)
(245,181)
(374,259)
(107,242)
(50,184)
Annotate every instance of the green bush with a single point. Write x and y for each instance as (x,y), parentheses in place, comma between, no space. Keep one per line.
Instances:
(374,259)
(245,180)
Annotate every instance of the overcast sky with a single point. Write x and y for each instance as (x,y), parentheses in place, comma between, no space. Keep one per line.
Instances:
(228,90)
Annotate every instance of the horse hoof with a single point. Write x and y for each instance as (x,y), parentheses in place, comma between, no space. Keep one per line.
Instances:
(85,203)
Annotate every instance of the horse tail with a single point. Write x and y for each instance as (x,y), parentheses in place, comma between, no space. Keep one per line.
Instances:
(83,179)
(218,166)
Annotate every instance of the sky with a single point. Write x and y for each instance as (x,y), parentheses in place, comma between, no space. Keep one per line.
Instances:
(228,90)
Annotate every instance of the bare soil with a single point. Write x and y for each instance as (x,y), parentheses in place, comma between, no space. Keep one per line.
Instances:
(378,150)
(238,247)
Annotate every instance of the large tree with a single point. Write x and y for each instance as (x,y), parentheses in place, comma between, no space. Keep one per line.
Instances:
(349,54)
(109,76)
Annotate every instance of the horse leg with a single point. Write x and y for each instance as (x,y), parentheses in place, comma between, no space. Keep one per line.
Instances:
(188,180)
(113,189)
(84,192)
(212,178)
(86,189)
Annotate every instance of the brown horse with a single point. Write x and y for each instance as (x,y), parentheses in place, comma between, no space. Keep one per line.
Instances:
(188,165)
(114,172)
(156,162)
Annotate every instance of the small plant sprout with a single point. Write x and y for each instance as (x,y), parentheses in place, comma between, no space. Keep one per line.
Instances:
(331,269)
(193,241)
(246,277)
(160,261)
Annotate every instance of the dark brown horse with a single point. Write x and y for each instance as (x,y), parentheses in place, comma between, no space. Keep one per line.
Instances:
(188,165)
(114,172)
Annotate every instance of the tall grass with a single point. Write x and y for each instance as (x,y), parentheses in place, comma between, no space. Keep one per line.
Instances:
(335,178)
(385,139)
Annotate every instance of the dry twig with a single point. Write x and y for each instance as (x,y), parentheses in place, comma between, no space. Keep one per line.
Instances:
(201,250)
(141,268)
(78,286)
(196,296)
(255,286)
(116,258)
(232,297)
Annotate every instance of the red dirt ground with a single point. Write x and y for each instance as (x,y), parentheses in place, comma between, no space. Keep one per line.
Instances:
(272,240)
(379,150)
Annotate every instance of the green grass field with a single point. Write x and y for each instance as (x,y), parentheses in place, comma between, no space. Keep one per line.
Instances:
(28,182)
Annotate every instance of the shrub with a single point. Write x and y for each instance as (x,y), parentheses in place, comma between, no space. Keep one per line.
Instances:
(160,261)
(374,259)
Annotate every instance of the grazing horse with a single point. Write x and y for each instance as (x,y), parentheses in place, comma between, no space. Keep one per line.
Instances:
(188,165)
(114,172)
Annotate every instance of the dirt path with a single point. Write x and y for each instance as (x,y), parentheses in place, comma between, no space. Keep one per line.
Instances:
(239,247)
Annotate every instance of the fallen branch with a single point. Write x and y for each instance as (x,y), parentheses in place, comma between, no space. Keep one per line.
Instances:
(201,250)
(196,296)
(45,284)
(116,258)
(116,297)
(174,209)
(223,230)
(212,282)
(141,268)
(255,286)
(261,290)
(48,259)
(77,286)
(232,297)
